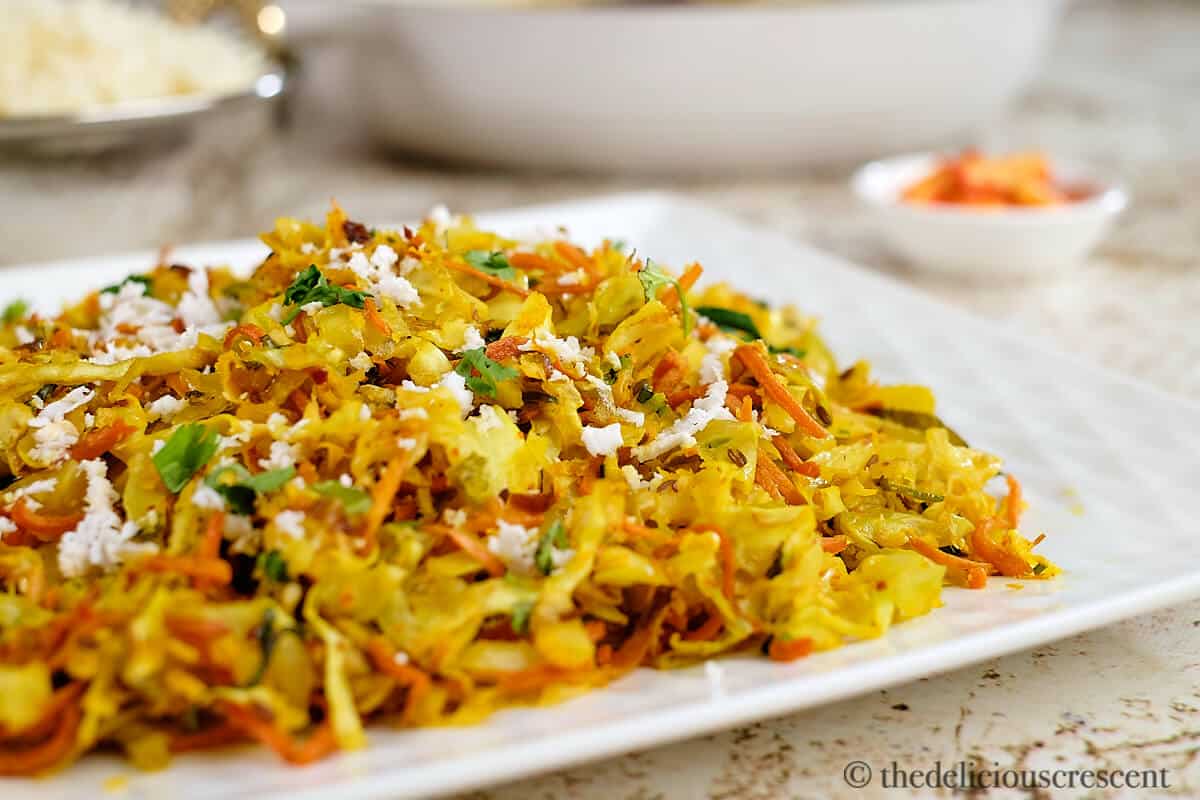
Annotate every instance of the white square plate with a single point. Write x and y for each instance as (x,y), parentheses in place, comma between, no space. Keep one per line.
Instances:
(1077,436)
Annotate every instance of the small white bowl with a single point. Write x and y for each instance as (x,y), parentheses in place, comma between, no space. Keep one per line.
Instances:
(987,242)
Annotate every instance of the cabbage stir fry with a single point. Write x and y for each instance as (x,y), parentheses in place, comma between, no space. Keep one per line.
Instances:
(416,476)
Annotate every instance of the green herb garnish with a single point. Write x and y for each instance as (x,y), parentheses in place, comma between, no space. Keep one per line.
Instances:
(792,351)
(482,373)
(910,491)
(1038,569)
(729,320)
(310,286)
(274,566)
(144,280)
(555,536)
(185,453)
(644,392)
(493,263)
(14,311)
(240,489)
(653,279)
(353,499)
(520,617)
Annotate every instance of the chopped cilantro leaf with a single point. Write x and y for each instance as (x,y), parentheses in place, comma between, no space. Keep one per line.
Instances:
(353,499)
(644,392)
(482,373)
(555,536)
(14,311)
(144,280)
(1038,569)
(310,286)
(653,279)
(493,263)
(729,320)
(189,448)
(792,351)
(241,490)
(274,566)
(520,616)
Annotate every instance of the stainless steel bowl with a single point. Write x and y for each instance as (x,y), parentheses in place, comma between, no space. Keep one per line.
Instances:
(125,124)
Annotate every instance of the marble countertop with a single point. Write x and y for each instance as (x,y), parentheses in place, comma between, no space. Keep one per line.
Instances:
(1121,90)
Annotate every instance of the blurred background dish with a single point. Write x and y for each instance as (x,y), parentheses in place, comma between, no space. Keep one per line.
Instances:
(676,88)
(82,76)
(993,242)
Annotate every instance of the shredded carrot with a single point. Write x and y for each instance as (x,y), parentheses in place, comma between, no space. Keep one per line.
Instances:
(508,347)
(374,320)
(382,497)
(222,733)
(775,388)
(670,297)
(533,261)
(834,544)
(96,443)
(596,629)
(687,395)
(48,753)
(768,475)
(728,562)
(742,389)
(1015,504)
(499,283)
(320,744)
(635,649)
(472,547)
(746,412)
(46,527)
(792,459)
(383,656)
(790,649)
(708,631)
(531,679)
(210,570)
(177,384)
(985,548)
(245,331)
(572,255)
(974,572)
(210,545)
(194,629)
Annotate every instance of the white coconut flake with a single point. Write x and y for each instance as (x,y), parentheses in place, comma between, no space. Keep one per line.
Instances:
(100,539)
(44,486)
(683,432)
(362,362)
(291,523)
(454,517)
(281,456)
(165,407)
(602,441)
(516,546)
(208,498)
(457,385)
(568,351)
(6,526)
(406,444)
(24,335)
(54,412)
(53,442)
(243,536)
(472,339)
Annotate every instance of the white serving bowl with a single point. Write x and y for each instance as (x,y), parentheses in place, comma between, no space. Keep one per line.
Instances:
(987,242)
(681,88)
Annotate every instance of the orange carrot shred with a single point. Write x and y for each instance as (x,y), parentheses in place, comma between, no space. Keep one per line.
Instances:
(789,650)
(774,387)
(973,572)
(96,443)
(1015,502)
(374,320)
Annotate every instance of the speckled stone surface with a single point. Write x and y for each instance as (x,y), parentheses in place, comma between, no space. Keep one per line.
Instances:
(1122,91)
